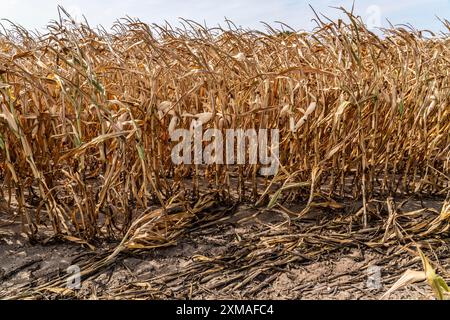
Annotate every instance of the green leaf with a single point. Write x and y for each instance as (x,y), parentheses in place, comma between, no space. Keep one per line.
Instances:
(141,152)
(401,108)
(98,86)
(274,199)
(439,287)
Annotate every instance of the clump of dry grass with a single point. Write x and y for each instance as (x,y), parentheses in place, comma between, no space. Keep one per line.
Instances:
(85,116)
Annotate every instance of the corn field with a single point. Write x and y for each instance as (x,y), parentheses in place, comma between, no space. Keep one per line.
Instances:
(86,116)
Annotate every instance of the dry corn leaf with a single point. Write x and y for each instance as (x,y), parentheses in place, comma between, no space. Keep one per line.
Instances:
(409,277)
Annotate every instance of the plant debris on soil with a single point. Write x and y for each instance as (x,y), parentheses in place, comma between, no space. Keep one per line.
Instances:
(248,254)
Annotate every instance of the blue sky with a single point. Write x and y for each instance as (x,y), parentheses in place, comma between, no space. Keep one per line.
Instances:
(246,13)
